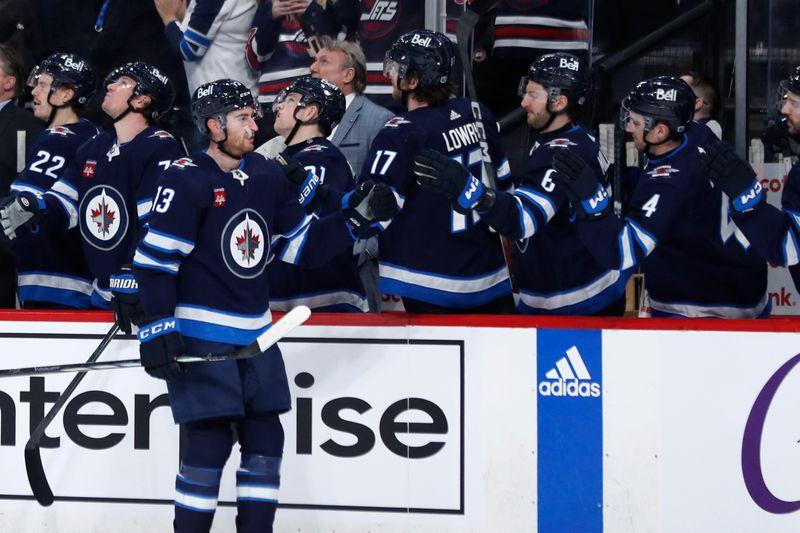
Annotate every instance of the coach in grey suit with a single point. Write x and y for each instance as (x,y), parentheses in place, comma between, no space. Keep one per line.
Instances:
(343,64)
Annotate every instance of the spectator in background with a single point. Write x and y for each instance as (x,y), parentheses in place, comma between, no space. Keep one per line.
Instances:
(343,64)
(705,107)
(283,41)
(18,129)
(211,37)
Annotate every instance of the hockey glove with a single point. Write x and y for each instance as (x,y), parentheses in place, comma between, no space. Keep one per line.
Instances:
(160,344)
(588,197)
(466,192)
(366,205)
(125,299)
(25,208)
(733,176)
(307,185)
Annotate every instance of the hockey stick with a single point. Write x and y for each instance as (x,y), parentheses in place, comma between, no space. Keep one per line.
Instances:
(466,25)
(291,320)
(33,459)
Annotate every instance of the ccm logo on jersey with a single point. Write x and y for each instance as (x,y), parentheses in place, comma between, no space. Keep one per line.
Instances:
(159,328)
(670,95)
(88,169)
(571,64)
(663,171)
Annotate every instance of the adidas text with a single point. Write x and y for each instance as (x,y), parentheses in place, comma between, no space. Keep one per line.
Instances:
(573,387)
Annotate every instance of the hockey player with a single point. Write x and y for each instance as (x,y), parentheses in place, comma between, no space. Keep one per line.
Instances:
(695,264)
(305,113)
(774,233)
(51,269)
(436,258)
(107,190)
(218,218)
(554,271)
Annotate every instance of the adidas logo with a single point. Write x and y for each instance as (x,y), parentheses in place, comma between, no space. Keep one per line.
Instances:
(570,377)
(454,115)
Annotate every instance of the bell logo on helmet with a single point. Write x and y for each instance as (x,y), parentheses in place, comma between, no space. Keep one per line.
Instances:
(77,65)
(422,41)
(670,95)
(157,74)
(571,64)
(202,92)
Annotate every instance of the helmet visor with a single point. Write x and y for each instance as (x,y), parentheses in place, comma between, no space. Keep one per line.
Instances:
(33,77)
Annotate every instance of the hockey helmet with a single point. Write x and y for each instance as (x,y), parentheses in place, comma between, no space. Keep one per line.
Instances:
(70,70)
(150,81)
(318,91)
(428,53)
(661,99)
(559,72)
(218,98)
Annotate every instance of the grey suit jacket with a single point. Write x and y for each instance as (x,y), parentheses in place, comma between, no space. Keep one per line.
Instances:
(360,124)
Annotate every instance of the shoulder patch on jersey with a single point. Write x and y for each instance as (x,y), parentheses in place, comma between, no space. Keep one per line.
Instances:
(183,162)
(663,171)
(219,197)
(314,148)
(396,122)
(161,134)
(60,130)
(89,168)
(560,143)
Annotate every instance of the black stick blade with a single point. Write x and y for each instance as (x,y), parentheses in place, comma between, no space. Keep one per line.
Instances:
(36,477)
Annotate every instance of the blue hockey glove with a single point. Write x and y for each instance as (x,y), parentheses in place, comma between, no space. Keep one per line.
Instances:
(366,205)
(466,192)
(588,197)
(125,299)
(734,176)
(160,344)
(307,185)
(24,208)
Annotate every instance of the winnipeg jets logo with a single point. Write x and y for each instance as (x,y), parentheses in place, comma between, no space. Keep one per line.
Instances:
(315,148)
(245,244)
(60,130)
(663,171)
(396,122)
(103,218)
(560,143)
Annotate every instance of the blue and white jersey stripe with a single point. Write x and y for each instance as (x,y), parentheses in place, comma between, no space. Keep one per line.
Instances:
(166,243)
(221,326)
(144,260)
(444,290)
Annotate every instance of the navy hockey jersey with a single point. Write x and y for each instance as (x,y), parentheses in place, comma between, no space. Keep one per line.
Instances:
(335,287)
(383,22)
(695,262)
(279,48)
(210,236)
(430,252)
(106,192)
(554,272)
(50,265)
